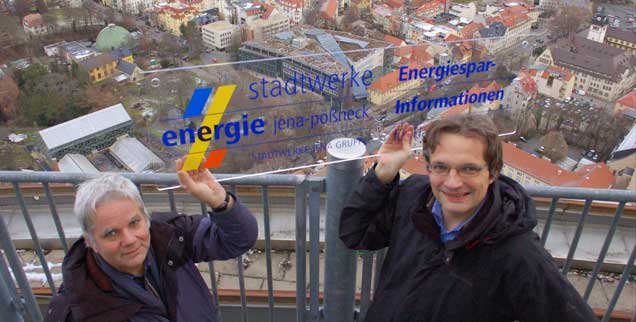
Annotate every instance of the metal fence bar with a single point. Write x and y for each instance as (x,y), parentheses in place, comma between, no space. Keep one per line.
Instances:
(173,206)
(241,276)
(606,245)
(6,275)
(379,260)
(16,266)
(301,239)
(56,217)
(621,284)
(268,254)
(577,236)
(548,221)
(215,290)
(34,236)
(365,297)
(8,302)
(314,249)
(159,179)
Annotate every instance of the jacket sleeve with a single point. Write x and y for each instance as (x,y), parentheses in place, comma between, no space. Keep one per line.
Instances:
(538,292)
(223,235)
(367,217)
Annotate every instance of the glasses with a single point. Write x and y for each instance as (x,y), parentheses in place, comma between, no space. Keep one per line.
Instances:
(441,169)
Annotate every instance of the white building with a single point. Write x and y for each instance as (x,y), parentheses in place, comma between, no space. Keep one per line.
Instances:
(219,35)
(266,27)
(292,9)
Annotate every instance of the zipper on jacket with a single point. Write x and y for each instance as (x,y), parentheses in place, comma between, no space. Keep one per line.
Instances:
(448,256)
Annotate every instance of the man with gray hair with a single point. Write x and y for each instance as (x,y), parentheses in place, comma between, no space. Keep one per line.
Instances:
(134,267)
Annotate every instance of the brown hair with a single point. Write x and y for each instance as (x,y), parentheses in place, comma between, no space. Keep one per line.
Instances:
(468,125)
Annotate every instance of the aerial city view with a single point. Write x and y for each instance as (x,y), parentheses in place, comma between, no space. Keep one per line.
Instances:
(256,88)
(126,86)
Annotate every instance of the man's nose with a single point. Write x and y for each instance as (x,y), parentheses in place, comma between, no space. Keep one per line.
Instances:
(453,180)
(128,237)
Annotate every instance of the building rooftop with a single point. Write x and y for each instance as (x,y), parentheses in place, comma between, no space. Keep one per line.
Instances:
(628,100)
(85,125)
(135,156)
(97,61)
(73,162)
(219,26)
(120,53)
(112,37)
(33,20)
(496,29)
(597,175)
(126,67)
(621,34)
(586,55)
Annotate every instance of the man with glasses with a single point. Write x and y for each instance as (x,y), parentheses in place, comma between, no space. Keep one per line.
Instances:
(460,241)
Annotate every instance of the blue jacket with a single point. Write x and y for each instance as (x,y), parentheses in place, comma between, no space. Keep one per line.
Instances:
(178,241)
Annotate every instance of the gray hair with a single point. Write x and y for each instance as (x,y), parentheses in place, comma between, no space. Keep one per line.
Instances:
(100,190)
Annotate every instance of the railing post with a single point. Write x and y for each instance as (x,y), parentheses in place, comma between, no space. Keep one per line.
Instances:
(8,308)
(340,262)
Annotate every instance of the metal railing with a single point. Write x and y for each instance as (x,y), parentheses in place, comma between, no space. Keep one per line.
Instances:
(18,302)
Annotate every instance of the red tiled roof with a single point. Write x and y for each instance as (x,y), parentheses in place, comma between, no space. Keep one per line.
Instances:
(628,100)
(527,82)
(393,40)
(430,6)
(292,3)
(455,110)
(452,38)
(328,9)
(596,175)
(469,30)
(388,81)
(420,55)
(395,4)
(268,11)
(33,20)
(485,87)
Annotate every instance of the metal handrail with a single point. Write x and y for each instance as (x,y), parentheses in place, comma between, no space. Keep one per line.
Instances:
(307,203)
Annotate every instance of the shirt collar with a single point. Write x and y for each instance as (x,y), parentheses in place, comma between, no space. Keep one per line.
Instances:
(439,219)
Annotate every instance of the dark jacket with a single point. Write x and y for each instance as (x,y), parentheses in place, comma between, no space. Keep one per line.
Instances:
(495,270)
(178,241)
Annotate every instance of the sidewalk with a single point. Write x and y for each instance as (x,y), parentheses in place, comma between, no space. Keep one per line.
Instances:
(284,276)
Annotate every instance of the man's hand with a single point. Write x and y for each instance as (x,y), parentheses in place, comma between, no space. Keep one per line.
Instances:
(394,152)
(201,184)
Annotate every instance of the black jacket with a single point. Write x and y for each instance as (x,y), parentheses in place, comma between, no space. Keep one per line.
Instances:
(495,270)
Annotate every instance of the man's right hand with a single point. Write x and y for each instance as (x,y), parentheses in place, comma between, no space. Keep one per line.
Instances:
(394,152)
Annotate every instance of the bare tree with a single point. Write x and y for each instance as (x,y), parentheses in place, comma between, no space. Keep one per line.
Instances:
(570,20)
(555,146)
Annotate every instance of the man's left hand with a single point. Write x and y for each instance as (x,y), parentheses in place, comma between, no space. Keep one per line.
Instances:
(201,184)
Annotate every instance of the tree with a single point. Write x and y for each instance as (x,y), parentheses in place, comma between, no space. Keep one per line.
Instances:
(351,15)
(555,146)
(41,6)
(570,20)
(20,7)
(47,98)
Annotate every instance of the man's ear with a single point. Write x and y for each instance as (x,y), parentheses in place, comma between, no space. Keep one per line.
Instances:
(87,242)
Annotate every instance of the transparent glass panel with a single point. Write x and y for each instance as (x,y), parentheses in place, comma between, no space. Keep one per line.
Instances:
(285,99)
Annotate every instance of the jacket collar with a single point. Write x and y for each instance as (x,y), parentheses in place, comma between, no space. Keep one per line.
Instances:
(507,211)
